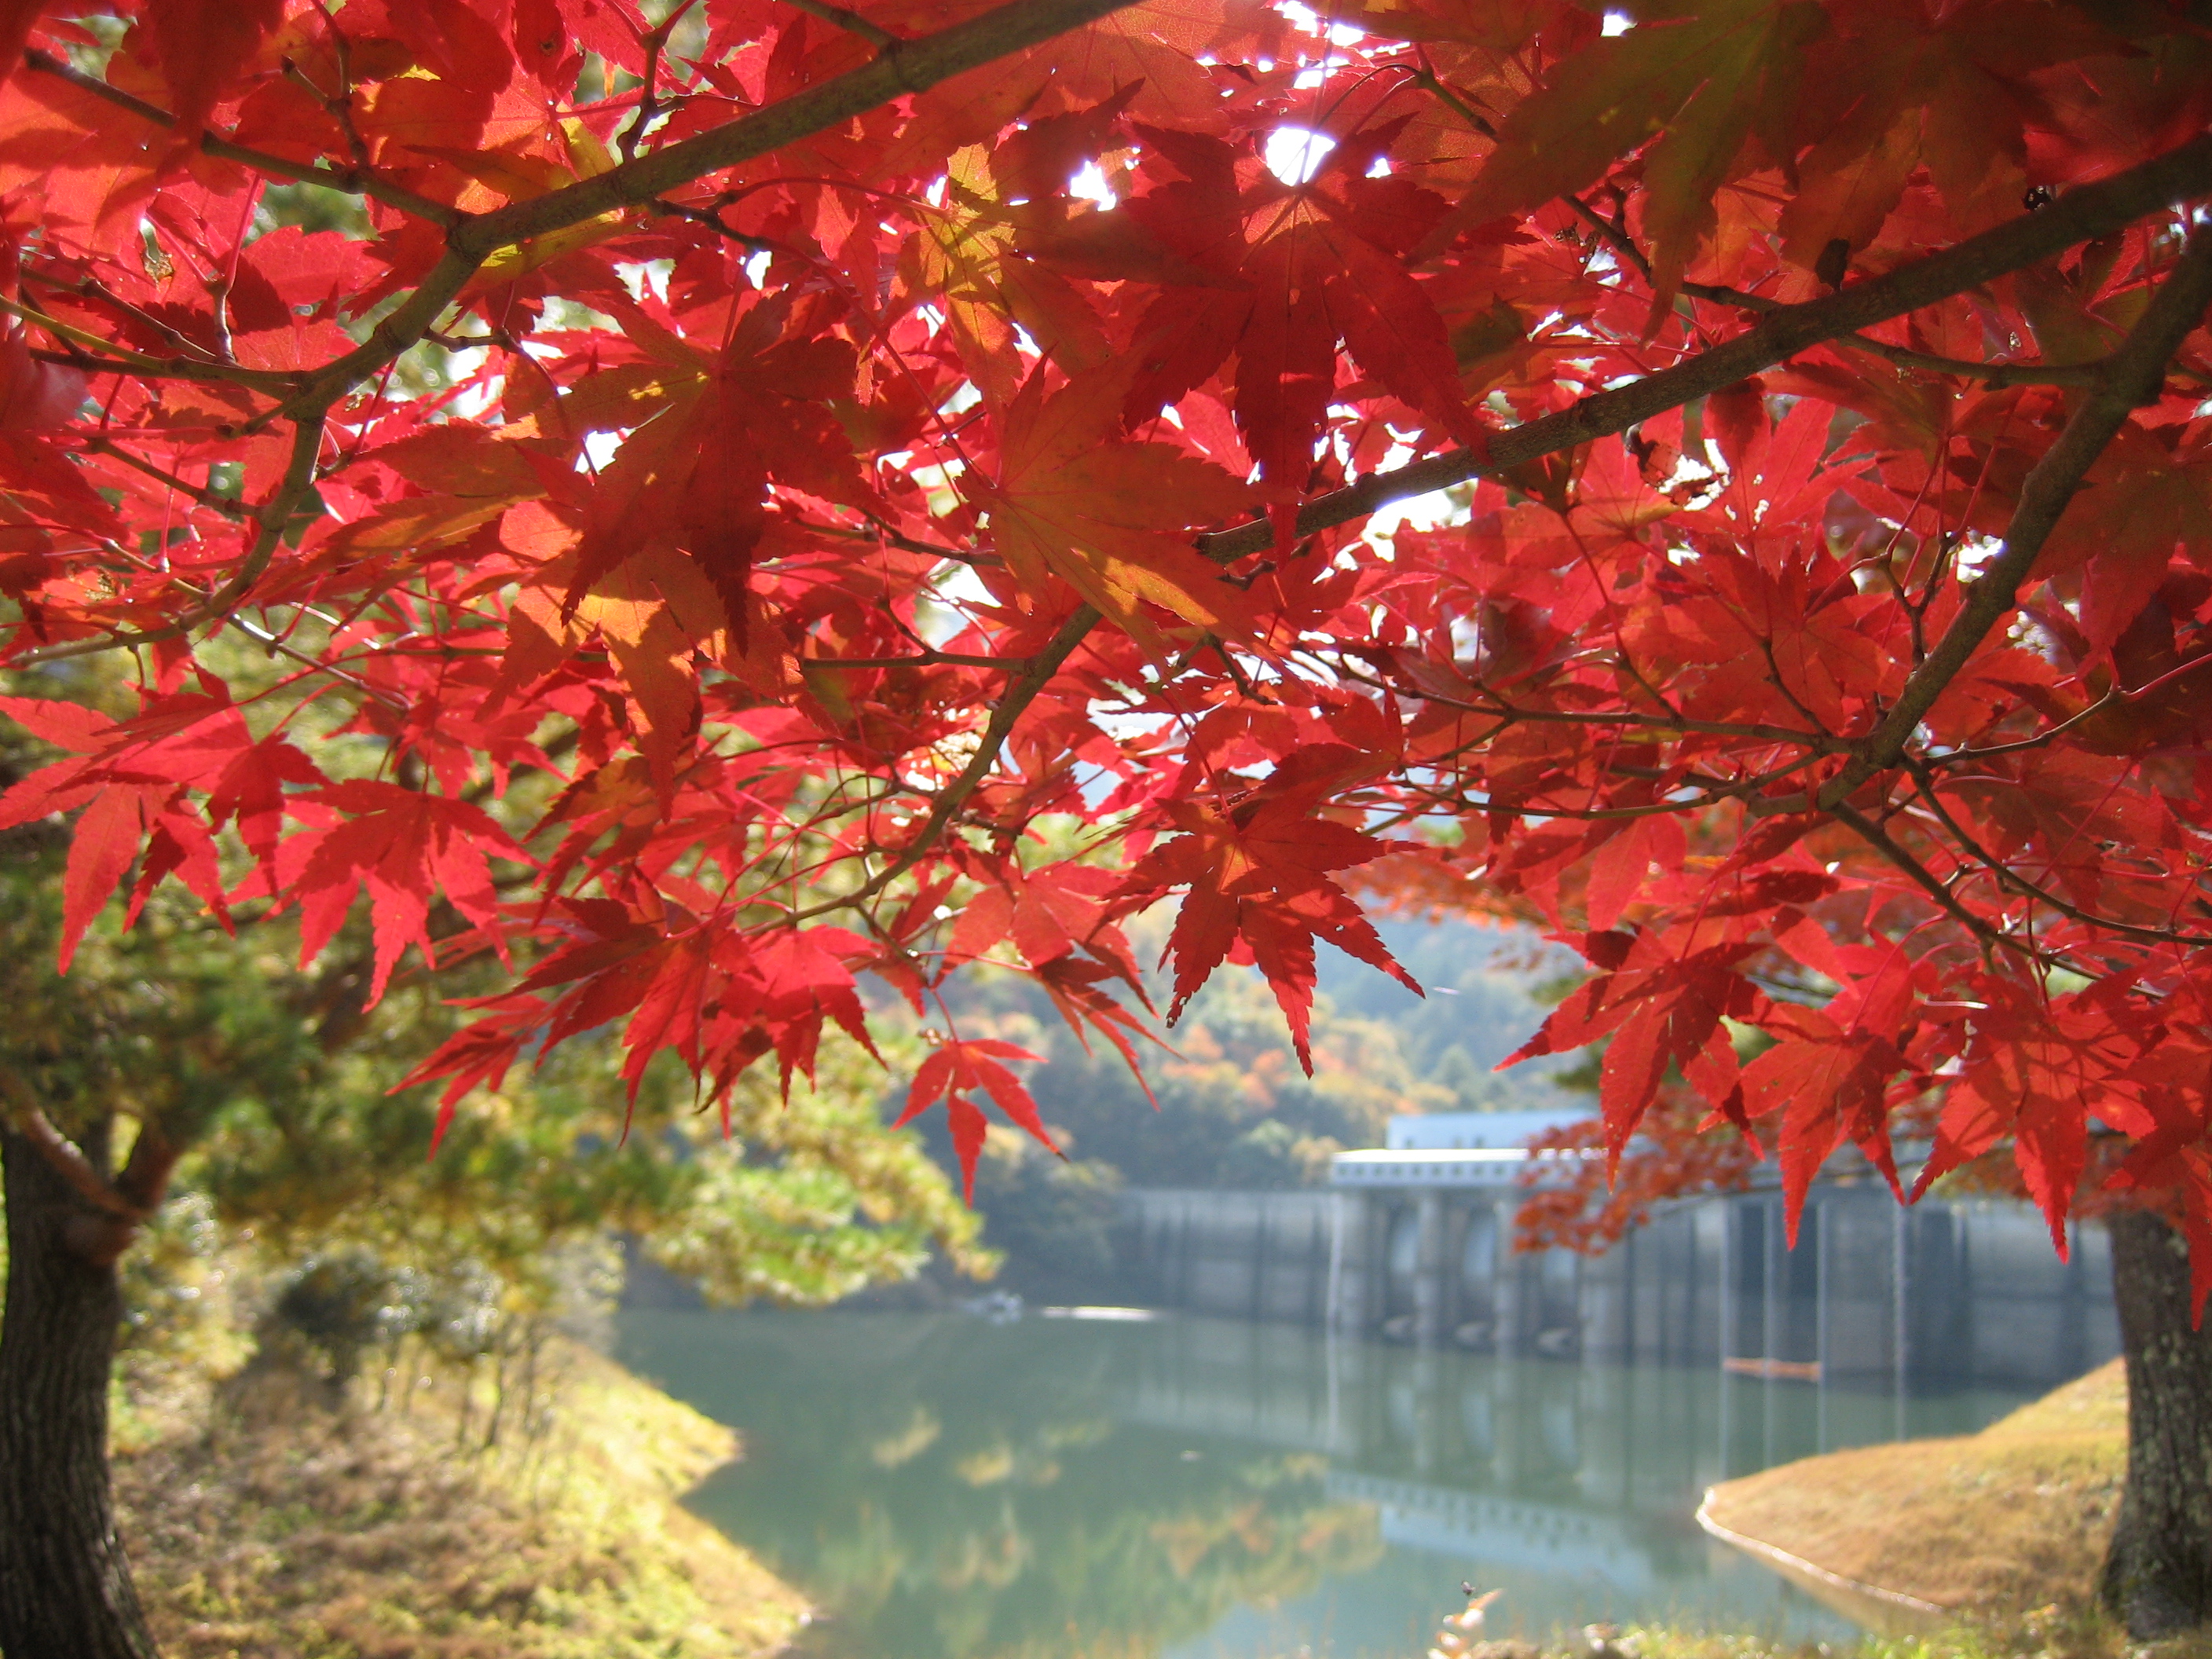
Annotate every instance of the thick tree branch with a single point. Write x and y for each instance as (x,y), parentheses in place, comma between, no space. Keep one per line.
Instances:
(63,1156)
(2080,215)
(145,1178)
(911,66)
(2137,372)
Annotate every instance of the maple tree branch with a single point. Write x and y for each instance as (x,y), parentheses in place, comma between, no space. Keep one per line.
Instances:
(2081,214)
(2137,378)
(1718,793)
(1426,75)
(649,105)
(414,318)
(1996,374)
(337,107)
(908,66)
(145,1177)
(2049,734)
(161,371)
(351,181)
(884,533)
(1819,742)
(277,646)
(914,66)
(124,360)
(63,1156)
(911,66)
(229,506)
(92,288)
(929,658)
(712,218)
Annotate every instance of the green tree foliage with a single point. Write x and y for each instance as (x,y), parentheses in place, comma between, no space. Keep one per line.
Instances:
(279,1093)
(802,1202)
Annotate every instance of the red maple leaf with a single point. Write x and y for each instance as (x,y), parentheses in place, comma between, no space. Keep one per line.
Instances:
(1296,269)
(959,1069)
(1258,876)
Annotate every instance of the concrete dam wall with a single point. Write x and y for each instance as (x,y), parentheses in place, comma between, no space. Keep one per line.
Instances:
(1939,1295)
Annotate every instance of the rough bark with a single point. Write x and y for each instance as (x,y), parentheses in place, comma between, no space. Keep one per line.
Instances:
(2158,1576)
(65,1590)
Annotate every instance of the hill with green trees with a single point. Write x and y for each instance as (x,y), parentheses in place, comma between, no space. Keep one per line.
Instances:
(1230,1106)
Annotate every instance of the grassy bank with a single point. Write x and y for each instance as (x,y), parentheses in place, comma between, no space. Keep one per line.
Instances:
(1995,1538)
(266,1519)
(2014,1517)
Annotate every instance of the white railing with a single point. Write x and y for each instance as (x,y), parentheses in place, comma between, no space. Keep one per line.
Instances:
(1474,1166)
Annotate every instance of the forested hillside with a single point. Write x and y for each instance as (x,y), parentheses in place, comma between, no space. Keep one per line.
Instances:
(1233,1108)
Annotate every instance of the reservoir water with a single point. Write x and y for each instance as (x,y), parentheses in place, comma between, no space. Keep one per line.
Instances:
(1094,1486)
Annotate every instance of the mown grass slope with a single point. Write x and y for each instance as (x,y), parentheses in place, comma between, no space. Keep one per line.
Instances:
(263,1524)
(2014,1517)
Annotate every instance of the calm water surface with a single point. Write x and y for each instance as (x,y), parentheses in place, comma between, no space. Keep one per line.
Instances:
(1180,1488)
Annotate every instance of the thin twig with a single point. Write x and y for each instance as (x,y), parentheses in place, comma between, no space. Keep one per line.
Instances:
(131,362)
(229,506)
(928,658)
(274,516)
(1881,840)
(1819,743)
(92,288)
(349,181)
(2009,877)
(949,800)
(852,21)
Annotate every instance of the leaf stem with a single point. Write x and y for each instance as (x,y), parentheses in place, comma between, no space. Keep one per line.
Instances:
(850,21)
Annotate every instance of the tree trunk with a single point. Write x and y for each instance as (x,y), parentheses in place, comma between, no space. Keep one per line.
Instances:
(65,1590)
(2158,1576)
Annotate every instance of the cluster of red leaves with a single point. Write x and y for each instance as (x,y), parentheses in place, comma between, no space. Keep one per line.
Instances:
(771,474)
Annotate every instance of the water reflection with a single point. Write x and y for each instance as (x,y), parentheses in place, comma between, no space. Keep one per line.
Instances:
(1197,1489)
